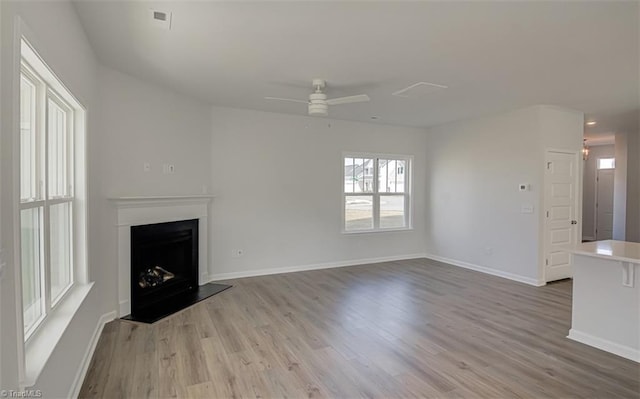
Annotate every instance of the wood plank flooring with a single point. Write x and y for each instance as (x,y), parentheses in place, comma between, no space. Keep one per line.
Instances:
(416,328)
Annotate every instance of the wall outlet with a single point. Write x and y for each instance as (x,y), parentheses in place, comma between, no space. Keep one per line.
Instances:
(237,253)
(488,251)
(146,167)
(168,168)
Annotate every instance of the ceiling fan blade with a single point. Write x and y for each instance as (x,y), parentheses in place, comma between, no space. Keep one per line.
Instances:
(350,99)
(287,99)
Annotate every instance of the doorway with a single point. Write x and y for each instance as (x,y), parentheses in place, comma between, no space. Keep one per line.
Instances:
(604,198)
(561,201)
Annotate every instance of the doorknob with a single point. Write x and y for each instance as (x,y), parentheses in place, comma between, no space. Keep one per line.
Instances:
(574,222)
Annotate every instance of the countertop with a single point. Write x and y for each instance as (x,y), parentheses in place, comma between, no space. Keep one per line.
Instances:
(610,249)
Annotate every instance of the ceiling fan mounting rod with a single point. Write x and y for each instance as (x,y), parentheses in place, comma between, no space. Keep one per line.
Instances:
(319,84)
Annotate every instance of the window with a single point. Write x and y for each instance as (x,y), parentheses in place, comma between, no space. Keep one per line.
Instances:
(48,119)
(376,192)
(606,163)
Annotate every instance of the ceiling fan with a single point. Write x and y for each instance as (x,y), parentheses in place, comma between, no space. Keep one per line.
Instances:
(318,102)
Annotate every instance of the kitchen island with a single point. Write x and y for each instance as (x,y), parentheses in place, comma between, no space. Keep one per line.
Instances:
(606,297)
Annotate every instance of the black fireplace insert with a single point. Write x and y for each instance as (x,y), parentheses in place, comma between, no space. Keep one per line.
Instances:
(164,263)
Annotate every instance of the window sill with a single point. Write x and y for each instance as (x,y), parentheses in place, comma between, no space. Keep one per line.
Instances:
(41,345)
(377,231)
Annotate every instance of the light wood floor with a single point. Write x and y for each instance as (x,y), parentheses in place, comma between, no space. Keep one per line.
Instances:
(414,328)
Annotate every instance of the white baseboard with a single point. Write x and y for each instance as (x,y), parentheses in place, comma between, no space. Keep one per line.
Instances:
(86,360)
(487,270)
(317,266)
(606,345)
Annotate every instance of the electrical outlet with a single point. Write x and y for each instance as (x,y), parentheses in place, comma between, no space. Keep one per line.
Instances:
(488,250)
(146,167)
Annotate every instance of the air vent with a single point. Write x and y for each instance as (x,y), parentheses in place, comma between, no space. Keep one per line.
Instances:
(419,89)
(160,19)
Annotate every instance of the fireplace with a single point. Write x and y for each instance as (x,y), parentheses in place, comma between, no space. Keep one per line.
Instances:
(151,285)
(164,265)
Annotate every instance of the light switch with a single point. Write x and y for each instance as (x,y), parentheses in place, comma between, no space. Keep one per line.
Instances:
(526,208)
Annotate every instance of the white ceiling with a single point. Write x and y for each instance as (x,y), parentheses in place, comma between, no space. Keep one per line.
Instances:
(493,56)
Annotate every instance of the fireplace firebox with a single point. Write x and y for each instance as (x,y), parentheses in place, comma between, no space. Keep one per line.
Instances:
(164,265)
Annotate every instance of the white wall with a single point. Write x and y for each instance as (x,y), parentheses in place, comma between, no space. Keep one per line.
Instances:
(277,180)
(144,123)
(59,38)
(589,188)
(474,206)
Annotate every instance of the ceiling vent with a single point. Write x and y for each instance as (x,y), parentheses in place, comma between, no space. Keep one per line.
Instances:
(160,19)
(418,90)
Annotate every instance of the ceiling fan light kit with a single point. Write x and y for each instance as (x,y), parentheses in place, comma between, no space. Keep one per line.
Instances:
(318,104)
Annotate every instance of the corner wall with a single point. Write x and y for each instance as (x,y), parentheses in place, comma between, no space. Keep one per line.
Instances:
(278,185)
(143,123)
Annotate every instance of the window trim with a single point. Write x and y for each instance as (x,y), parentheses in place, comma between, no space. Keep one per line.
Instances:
(408,194)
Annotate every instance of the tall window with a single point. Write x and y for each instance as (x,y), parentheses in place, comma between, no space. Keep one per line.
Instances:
(376,194)
(46,196)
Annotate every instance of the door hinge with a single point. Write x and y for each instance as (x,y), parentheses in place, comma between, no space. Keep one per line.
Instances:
(549,165)
(547,213)
(546,262)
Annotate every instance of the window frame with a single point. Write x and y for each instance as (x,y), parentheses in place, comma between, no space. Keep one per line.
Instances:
(43,201)
(376,194)
(57,311)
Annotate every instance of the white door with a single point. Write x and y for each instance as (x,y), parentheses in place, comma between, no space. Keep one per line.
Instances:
(561,202)
(604,204)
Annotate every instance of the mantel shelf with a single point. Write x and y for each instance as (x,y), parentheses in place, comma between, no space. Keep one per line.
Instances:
(155,201)
(163,197)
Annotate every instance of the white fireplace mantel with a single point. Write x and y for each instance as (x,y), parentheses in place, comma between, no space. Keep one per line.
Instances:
(136,211)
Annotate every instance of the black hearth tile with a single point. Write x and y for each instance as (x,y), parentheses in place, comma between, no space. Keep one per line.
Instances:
(176,304)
